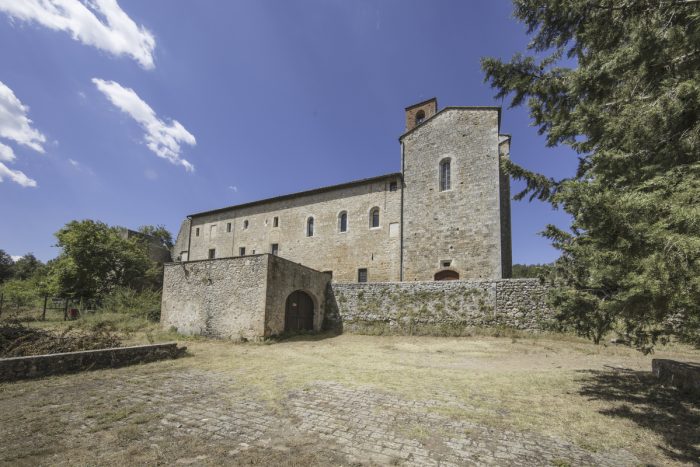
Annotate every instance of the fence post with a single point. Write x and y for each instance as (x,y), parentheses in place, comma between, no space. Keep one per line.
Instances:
(43,313)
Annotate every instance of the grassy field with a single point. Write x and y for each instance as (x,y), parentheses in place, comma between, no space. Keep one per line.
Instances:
(600,398)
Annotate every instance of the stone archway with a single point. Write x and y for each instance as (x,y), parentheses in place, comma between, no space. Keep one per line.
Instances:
(299,312)
(446,275)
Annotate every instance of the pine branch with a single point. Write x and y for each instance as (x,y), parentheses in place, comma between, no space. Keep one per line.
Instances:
(537,185)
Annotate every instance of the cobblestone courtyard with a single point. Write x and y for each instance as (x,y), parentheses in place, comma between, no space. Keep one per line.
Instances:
(207,409)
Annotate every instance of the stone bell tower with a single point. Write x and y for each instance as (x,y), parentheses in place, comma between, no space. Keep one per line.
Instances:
(454,217)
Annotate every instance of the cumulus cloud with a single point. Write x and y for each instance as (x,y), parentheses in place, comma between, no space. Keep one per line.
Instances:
(99,23)
(233,188)
(164,139)
(16,126)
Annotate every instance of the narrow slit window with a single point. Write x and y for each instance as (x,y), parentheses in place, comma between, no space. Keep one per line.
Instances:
(212,253)
(245,224)
(310,227)
(196,232)
(445,175)
(343,222)
(228,227)
(276,222)
(241,251)
(275,249)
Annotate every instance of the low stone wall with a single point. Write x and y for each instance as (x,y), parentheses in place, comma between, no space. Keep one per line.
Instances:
(445,307)
(37,366)
(685,376)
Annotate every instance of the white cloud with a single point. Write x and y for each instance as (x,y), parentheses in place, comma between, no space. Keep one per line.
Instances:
(74,163)
(17,127)
(6,153)
(162,138)
(15,258)
(99,23)
(16,176)
(14,123)
(234,188)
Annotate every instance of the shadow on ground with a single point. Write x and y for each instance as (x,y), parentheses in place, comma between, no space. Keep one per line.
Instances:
(638,396)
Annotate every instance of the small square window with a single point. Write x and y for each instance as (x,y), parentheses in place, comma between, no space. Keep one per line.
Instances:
(228,227)
(275,221)
(362,275)
(446,263)
(241,251)
(212,253)
(196,232)
(393,186)
(275,248)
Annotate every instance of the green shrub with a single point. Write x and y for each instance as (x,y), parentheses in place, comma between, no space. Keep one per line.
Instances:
(144,304)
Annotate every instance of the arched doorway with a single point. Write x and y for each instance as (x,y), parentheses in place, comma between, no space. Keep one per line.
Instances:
(299,312)
(446,275)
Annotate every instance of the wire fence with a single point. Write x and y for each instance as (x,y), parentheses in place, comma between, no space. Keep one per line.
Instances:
(38,306)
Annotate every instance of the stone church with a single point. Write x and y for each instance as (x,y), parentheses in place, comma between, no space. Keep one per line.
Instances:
(444,216)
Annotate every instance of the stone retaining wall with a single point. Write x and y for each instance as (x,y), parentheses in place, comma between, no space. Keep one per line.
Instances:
(683,375)
(438,307)
(37,366)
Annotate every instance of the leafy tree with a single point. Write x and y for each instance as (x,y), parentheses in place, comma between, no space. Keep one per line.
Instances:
(6,266)
(27,266)
(159,232)
(533,271)
(630,108)
(95,259)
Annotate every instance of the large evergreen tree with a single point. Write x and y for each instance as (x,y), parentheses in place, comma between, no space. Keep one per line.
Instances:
(630,107)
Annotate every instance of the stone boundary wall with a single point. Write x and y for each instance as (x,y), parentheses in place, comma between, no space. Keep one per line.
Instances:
(443,307)
(37,366)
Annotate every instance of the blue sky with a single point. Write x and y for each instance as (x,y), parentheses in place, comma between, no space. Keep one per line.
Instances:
(261,97)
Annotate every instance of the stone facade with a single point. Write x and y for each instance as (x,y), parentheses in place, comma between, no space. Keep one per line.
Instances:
(252,227)
(458,228)
(422,229)
(237,298)
(439,306)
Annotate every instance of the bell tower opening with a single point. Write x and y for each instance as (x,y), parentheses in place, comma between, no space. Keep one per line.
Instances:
(420,112)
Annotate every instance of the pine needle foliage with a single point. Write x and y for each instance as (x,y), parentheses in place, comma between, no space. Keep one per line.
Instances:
(629,106)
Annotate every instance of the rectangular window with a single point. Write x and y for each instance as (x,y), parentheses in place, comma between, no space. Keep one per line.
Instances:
(393,186)
(446,263)
(212,253)
(196,232)
(275,221)
(228,227)
(241,251)
(275,249)
(362,275)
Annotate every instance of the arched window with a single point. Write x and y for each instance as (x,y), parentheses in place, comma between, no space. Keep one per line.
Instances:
(343,222)
(420,117)
(445,174)
(310,227)
(374,218)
